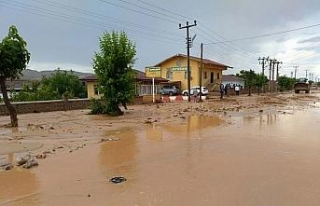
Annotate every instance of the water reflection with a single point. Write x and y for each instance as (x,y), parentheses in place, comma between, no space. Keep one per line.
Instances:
(118,158)
(262,120)
(192,124)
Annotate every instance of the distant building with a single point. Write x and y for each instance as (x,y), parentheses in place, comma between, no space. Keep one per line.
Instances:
(232,80)
(14,86)
(174,69)
(143,84)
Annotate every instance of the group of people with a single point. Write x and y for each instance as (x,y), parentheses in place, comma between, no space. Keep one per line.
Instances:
(224,89)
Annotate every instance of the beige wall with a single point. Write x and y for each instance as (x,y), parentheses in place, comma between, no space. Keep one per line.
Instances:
(90,90)
(195,72)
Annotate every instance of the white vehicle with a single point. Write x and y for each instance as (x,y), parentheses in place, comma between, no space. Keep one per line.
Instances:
(204,90)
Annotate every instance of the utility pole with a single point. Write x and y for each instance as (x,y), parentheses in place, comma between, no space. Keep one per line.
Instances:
(273,82)
(187,26)
(295,71)
(270,68)
(201,69)
(263,61)
(307,74)
(277,75)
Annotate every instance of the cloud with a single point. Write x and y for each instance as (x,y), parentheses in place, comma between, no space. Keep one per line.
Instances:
(310,40)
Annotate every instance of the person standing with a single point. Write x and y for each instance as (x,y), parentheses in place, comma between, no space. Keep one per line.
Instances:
(226,89)
(195,95)
(237,90)
(221,90)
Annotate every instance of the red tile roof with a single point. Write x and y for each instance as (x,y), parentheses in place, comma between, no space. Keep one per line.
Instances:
(139,76)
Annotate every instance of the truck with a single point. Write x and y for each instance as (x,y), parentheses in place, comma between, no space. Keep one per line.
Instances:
(302,85)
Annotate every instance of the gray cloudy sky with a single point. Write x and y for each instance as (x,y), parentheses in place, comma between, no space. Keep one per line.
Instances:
(65,33)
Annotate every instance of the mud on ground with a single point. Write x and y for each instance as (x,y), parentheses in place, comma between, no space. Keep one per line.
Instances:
(62,141)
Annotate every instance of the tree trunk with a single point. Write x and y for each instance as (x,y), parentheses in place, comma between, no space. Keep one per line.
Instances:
(113,109)
(11,109)
(249,91)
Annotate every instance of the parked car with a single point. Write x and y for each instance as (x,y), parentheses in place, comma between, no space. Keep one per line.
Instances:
(204,91)
(170,90)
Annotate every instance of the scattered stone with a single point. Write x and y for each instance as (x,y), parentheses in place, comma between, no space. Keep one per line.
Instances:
(8,167)
(106,139)
(46,152)
(51,127)
(147,122)
(27,161)
(22,160)
(88,195)
(5,165)
(29,164)
(261,110)
(41,156)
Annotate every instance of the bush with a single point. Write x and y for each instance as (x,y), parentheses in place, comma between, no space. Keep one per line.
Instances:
(96,106)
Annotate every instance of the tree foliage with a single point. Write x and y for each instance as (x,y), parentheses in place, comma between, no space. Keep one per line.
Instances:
(253,79)
(260,81)
(113,67)
(53,87)
(249,78)
(285,83)
(14,58)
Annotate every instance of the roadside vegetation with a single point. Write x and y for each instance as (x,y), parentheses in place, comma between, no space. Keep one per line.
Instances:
(61,84)
(14,58)
(116,78)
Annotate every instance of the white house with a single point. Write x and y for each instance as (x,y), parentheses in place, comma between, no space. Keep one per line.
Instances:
(232,80)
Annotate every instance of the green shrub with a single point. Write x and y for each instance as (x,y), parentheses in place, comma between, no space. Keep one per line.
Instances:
(96,106)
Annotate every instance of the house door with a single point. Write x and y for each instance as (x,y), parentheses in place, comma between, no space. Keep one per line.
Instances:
(211,77)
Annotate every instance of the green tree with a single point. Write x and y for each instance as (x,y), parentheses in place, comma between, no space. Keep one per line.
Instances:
(56,86)
(64,82)
(112,65)
(285,83)
(14,58)
(249,78)
(260,81)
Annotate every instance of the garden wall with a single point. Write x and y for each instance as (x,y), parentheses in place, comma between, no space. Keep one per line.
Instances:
(53,105)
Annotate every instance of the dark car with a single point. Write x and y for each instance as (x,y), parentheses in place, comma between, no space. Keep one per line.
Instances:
(170,90)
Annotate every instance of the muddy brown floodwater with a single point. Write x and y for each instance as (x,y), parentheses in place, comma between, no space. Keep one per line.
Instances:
(239,151)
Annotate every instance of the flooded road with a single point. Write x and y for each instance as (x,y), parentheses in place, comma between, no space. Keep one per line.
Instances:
(261,158)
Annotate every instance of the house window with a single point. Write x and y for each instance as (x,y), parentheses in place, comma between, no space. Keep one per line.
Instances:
(205,75)
(218,75)
(169,74)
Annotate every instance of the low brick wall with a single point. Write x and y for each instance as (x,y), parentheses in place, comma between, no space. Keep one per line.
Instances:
(46,106)
(54,105)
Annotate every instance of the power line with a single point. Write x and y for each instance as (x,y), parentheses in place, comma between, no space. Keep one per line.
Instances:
(79,21)
(163,9)
(98,16)
(137,11)
(151,10)
(265,35)
(253,56)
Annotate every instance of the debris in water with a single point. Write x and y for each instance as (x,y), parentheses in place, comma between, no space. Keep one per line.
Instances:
(117,180)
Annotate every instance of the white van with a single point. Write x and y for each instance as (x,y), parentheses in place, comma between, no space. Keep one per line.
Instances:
(204,90)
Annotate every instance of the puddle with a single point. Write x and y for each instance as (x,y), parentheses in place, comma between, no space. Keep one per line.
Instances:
(225,160)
